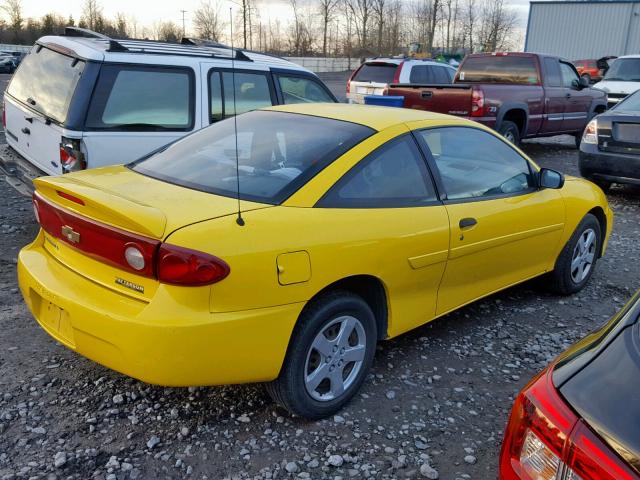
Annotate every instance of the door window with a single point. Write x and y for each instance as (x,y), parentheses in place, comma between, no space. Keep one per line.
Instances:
(569,75)
(395,175)
(252,91)
(297,89)
(476,164)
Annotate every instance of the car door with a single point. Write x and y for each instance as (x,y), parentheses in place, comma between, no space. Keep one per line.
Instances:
(254,89)
(504,229)
(555,99)
(578,100)
(385,214)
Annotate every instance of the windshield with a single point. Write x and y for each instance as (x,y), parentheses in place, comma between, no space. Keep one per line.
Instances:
(629,104)
(46,81)
(376,73)
(277,153)
(624,70)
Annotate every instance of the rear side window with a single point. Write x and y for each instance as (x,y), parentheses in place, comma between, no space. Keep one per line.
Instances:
(302,90)
(393,176)
(46,80)
(499,69)
(278,152)
(135,98)
(252,92)
(376,73)
(430,74)
(552,72)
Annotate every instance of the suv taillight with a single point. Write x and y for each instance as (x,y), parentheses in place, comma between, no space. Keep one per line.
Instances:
(396,76)
(71,156)
(545,440)
(128,251)
(477,102)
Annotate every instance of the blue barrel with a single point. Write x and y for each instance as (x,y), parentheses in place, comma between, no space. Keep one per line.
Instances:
(384,100)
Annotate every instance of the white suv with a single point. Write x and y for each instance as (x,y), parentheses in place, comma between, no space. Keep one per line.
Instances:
(621,80)
(374,76)
(83,100)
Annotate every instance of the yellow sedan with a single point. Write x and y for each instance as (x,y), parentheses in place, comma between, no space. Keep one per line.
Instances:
(284,252)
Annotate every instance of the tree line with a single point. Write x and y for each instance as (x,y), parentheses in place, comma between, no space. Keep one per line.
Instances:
(354,28)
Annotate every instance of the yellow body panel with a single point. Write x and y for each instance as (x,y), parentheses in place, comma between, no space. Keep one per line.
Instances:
(238,330)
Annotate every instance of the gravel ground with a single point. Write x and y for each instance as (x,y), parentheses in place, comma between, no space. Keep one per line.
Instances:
(434,406)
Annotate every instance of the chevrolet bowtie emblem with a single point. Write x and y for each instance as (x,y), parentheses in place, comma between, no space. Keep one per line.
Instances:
(70,234)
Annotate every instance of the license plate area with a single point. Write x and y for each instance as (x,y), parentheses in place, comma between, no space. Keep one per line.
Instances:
(626,132)
(55,320)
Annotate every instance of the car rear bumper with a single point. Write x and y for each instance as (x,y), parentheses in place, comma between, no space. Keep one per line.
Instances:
(19,171)
(611,167)
(163,342)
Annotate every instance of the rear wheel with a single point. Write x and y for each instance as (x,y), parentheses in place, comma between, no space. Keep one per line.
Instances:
(510,131)
(578,258)
(329,356)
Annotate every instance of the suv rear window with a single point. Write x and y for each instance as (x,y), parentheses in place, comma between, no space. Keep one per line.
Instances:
(277,153)
(499,69)
(376,73)
(136,98)
(46,80)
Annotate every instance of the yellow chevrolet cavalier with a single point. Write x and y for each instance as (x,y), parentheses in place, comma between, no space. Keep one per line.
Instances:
(356,224)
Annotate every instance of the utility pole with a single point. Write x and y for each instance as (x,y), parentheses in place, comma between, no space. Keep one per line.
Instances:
(184,30)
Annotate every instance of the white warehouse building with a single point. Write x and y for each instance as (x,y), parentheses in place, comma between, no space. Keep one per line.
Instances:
(584,29)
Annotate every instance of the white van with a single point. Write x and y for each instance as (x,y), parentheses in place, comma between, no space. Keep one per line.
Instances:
(83,100)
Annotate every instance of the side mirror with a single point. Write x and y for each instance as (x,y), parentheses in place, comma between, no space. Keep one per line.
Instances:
(548,178)
(584,83)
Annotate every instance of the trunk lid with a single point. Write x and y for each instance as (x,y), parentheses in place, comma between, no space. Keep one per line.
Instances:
(619,132)
(143,209)
(598,378)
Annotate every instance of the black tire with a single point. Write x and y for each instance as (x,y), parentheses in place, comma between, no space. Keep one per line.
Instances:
(510,131)
(289,389)
(561,279)
(578,139)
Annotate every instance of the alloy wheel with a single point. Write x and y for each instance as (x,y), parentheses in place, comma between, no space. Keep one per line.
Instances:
(584,254)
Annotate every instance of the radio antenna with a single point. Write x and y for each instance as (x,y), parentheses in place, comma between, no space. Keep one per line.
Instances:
(239,219)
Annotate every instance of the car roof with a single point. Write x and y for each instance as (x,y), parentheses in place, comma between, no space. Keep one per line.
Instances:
(153,52)
(377,118)
(629,56)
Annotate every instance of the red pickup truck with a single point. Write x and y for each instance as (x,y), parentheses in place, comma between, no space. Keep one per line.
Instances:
(521,95)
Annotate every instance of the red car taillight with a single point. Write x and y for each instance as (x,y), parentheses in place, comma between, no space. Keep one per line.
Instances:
(128,251)
(545,440)
(71,156)
(477,102)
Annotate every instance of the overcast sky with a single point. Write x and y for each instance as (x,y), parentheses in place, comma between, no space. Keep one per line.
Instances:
(148,11)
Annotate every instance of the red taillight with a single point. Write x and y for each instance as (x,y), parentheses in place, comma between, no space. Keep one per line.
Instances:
(128,251)
(477,102)
(71,156)
(353,74)
(181,266)
(96,240)
(545,440)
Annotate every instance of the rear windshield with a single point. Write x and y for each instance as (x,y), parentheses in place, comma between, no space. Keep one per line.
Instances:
(277,153)
(630,104)
(624,70)
(46,81)
(376,73)
(499,69)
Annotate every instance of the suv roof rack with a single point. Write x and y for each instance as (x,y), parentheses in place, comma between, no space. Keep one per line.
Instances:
(187,47)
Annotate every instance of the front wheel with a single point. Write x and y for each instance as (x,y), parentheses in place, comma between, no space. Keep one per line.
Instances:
(330,353)
(510,131)
(577,261)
